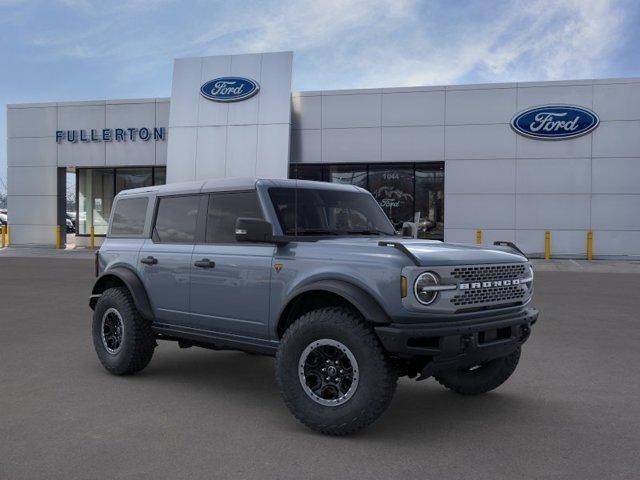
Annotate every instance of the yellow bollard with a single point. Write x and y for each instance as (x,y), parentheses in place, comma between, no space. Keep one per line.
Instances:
(547,245)
(589,245)
(2,236)
(6,230)
(58,237)
(478,237)
(92,237)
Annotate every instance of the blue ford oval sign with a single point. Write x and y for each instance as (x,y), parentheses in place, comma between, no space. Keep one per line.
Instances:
(555,122)
(229,89)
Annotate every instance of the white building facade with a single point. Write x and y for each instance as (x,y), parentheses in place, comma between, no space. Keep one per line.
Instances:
(512,160)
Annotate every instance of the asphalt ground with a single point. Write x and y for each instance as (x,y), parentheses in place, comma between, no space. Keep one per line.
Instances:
(571,410)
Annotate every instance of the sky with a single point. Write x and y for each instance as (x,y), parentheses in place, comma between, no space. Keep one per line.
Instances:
(63,50)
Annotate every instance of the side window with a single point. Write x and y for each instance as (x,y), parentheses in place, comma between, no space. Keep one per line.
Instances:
(129,216)
(224,210)
(176,219)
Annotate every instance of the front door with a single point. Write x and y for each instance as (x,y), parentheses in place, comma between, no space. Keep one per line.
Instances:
(230,281)
(165,259)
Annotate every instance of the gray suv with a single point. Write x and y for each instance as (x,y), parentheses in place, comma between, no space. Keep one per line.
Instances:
(314,274)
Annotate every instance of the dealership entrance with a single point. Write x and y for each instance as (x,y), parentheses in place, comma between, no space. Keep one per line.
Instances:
(411,192)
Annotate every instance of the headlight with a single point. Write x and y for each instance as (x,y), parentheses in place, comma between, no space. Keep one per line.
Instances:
(424,288)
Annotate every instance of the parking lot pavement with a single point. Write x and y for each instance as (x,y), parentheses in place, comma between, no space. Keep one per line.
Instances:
(570,411)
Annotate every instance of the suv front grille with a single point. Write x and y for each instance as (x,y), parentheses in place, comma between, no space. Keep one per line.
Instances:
(512,293)
(490,272)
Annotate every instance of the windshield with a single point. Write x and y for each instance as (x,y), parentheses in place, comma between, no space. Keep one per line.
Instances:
(328,212)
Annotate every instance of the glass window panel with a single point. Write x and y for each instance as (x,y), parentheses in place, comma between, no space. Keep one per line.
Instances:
(176,219)
(224,210)
(429,215)
(392,187)
(95,198)
(129,217)
(306,172)
(349,174)
(160,176)
(127,178)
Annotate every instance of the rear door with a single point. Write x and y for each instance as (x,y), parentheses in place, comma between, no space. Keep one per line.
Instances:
(165,259)
(230,281)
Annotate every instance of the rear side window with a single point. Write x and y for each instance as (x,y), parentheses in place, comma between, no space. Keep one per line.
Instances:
(176,219)
(129,217)
(224,209)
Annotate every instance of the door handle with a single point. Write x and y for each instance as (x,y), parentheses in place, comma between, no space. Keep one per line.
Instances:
(204,263)
(149,260)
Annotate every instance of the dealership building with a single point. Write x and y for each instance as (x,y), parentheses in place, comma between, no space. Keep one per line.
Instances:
(513,160)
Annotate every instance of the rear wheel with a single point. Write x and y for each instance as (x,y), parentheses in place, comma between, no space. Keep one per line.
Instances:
(122,339)
(480,378)
(333,374)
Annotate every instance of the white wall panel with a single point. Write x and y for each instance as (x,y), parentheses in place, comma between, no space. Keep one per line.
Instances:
(616,175)
(543,95)
(185,92)
(616,243)
(246,111)
(480,176)
(565,175)
(32,209)
(212,113)
(162,120)
(563,242)
(242,144)
(76,117)
(412,144)
(306,146)
(211,157)
(549,212)
(480,106)
(571,148)
(273,151)
(479,141)
(275,88)
(32,181)
(413,108)
(615,212)
(32,122)
(81,154)
(468,236)
(479,211)
(617,102)
(36,152)
(306,111)
(617,139)
(182,148)
(351,145)
(350,111)
(44,235)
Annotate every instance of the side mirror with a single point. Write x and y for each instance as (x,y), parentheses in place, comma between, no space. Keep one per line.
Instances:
(253,230)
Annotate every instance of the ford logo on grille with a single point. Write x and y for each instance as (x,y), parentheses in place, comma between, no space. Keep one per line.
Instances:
(555,122)
(229,89)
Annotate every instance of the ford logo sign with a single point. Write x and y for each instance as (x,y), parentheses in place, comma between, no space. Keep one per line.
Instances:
(229,89)
(555,122)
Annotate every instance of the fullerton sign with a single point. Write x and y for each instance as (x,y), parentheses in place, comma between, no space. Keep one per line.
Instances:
(111,135)
(555,122)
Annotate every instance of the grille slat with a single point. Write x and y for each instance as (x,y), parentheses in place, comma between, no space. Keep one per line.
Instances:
(489,295)
(490,272)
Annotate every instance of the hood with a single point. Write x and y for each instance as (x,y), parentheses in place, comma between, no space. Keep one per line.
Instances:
(433,252)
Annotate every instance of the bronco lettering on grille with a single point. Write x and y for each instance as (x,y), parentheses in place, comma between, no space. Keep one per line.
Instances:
(494,283)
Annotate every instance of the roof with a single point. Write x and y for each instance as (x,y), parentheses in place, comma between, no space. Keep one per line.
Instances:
(230,184)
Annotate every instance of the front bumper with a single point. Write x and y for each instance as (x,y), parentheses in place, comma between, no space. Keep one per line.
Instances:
(453,345)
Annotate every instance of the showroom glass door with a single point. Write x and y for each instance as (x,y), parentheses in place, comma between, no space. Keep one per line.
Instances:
(429,200)
(392,187)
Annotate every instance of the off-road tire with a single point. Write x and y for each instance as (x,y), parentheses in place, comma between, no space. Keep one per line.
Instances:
(377,375)
(485,378)
(138,340)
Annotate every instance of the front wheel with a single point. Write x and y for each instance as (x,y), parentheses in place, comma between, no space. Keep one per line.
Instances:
(480,378)
(333,373)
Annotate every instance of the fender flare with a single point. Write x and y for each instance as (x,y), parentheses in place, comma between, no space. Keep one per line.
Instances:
(132,282)
(368,306)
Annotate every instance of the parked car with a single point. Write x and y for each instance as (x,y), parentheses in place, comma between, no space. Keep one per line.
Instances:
(3,217)
(71,228)
(314,274)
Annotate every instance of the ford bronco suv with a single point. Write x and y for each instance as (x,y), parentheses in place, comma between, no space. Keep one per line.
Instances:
(314,274)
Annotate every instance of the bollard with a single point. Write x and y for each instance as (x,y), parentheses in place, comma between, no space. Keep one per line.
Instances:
(589,245)
(478,237)
(92,237)
(6,232)
(547,245)
(2,236)
(58,237)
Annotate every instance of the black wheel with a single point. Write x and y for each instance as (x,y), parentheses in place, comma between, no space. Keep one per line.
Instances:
(123,340)
(333,373)
(480,378)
